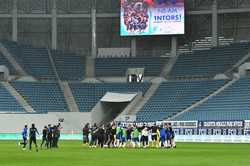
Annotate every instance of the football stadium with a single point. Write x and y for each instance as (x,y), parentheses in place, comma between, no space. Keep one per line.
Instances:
(124,82)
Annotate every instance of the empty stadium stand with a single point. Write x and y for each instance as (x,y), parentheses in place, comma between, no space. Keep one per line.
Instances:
(43,97)
(170,98)
(118,66)
(8,103)
(231,104)
(209,62)
(69,66)
(88,94)
(36,62)
(174,96)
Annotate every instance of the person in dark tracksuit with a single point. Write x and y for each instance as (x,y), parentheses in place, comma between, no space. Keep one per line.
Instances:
(85,134)
(45,137)
(113,135)
(32,134)
(171,134)
(56,136)
(94,130)
(50,136)
(101,136)
(162,136)
(168,137)
(108,135)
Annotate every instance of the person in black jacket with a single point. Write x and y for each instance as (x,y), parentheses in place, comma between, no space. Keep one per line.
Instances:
(170,136)
(32,135)
(113,134)
(108,135)
(45,137)
(85,134)
(50,136)
(101,136)
(56,136)
(93,130)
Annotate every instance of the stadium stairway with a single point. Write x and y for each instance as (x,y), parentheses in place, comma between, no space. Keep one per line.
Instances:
(28,108)
(69,98)
(168,66)
(150,92)
(64,87)
(5,62)
(12,60)
(204,99)
(230,71)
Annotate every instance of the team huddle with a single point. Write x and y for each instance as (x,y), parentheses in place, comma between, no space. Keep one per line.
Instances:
(118,135)
(110,135)
(50,136)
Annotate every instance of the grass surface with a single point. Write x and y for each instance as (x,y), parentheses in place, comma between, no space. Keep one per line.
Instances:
(74,154)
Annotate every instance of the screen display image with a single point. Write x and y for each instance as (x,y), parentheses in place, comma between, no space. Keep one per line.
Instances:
(152,17)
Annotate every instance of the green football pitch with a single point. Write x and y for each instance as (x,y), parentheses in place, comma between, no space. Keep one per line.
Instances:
(72,153)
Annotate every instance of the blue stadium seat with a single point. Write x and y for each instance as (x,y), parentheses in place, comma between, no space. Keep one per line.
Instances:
(231,104)
(8,103)
(69,66)
(209,62)
(174,96)
(43,97)
(36,62)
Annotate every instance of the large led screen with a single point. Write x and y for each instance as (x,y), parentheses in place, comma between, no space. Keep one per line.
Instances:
(152,17)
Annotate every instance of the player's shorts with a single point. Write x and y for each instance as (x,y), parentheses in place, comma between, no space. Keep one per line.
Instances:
(33,139)
(170,136)
(124,139)
(44,138)
(162,139)
(135,139)
(85,138)
(129,137)
(119,137)
(154,137)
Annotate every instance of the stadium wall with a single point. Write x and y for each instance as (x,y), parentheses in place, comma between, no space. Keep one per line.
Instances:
(72,122)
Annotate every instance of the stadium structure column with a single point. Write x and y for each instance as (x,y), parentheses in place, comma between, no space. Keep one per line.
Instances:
(93,29)
(174,46)
(14,21)
(133,47)
(54,26)
(215,23)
